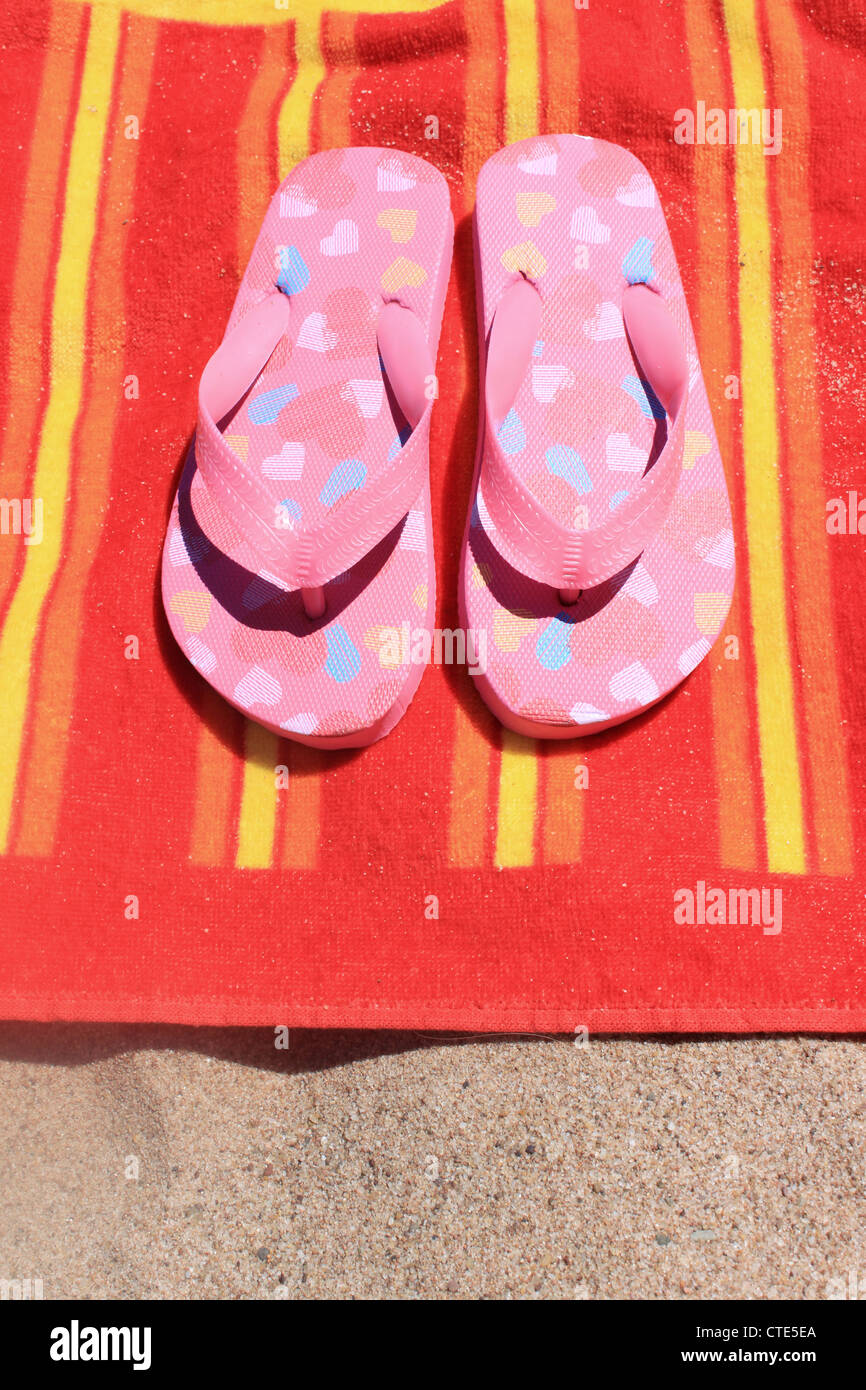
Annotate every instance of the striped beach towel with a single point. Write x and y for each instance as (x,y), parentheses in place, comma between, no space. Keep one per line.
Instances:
(161,858)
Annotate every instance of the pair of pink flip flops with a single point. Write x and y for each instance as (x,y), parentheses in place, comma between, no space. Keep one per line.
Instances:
(598,562)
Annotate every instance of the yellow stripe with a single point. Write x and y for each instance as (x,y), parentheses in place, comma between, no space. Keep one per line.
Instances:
(775,692)
(257,821)
(518,774)
(521,71)
(518,793)
(257,818)
(813,622)
(53,460)
(293,126)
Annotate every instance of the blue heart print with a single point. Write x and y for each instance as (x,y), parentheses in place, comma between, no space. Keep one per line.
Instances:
(642,392)
(348,476)
(637,266)
(511,434)
(565,463)
(294,275)
(264,409)
(291,513)
(553,646)
(344,660)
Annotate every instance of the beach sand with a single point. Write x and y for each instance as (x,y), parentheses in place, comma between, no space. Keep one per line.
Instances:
(163,1162)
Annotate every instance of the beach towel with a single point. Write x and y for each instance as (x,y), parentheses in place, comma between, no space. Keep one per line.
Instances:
(699,868)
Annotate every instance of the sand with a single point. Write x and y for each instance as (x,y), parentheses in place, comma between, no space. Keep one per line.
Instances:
(202,1163)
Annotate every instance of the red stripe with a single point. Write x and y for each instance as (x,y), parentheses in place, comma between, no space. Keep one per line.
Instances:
(180,255)
(402,87)
(833,65)
(715,310)
(680,800)
(22,82)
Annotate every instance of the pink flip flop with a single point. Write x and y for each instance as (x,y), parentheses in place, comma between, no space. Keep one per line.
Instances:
(598,560)
(300,537)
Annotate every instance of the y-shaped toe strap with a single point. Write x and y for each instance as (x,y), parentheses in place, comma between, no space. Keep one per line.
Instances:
(307,559)
(530,538)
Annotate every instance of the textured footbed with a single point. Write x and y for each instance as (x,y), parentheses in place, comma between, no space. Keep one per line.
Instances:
(581,219)
(347,231)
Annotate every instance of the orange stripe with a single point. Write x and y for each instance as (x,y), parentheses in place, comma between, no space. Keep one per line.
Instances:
(485,92)
(472,750)
(801,423)
(331,129)
(563,803)
(256,147)
(333,115)
(34,265)
(214,832)
(307,768)
(468,828)
(715,322)
(560,70)
(259,807)
(217,768)
(215,781)
(43,778)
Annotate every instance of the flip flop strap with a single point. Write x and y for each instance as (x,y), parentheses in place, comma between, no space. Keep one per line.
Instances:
(530,538)
(536,543)
(306,557)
